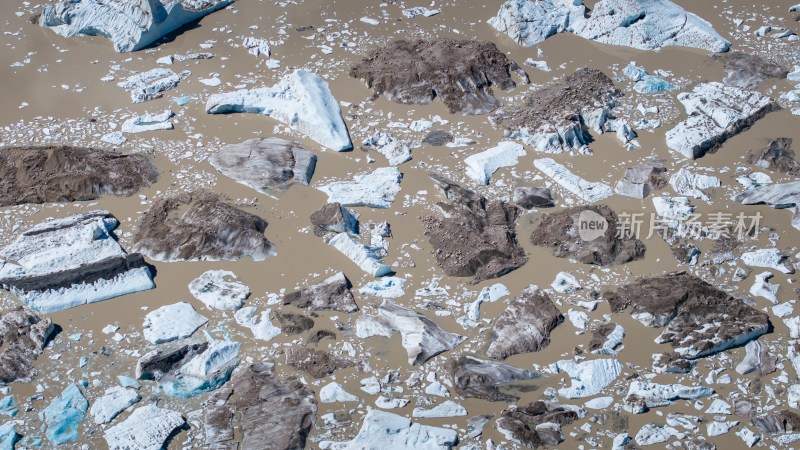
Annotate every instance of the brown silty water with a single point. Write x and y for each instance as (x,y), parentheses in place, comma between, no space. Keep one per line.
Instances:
(58,114)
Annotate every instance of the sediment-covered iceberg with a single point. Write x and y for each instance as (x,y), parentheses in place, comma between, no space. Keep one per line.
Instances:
(64,263)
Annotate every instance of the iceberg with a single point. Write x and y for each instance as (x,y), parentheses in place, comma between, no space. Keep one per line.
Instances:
(130,24)
(64,263)
(301,100)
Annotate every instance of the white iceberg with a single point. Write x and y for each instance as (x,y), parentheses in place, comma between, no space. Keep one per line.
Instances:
(301,100)
(170,322)
(376,190)
(639,24)
(366,257)
(218,289)
(481,166)
(130,24)
(585,190)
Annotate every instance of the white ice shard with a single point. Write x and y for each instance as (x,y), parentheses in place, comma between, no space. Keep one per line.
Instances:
(585,190)
(130,24)
(170,322)
(149,85)
(716,113)
(396,151)
(481,166)
(762,288)
(640,24)
(421,337)
(115,400)
(489,294)
(262,328)
(376,190)
(685,182)
(146,428)
(368,258)
(382,429)
(643,395)
(771,258)
(579,318)
(588,377)
(334,393)
(301,100)
(148,122)
(63,263)
(447,409)
(219,290)
(613,339)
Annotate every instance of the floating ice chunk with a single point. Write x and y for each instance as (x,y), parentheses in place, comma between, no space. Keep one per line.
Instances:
(396,151)
(645,395)
(148,122)
(585,190)
(115,400)
(489,294)
(146,428)
(114,138)
(420,11)
(213,81)
(376,190)
(63,263)
(640,24)
(369,259)
(262,329)
(764,289)
(612,341)
(64,415)
(170,322)
(481,166)
(8,436)
(334,393)
(421,337)
(302,100)
(381,429)
(579,318)
(599,403)
(539,65)
(565,283)
(716,113)
(588,377)
(219,290)
(256,46)
(719,406)
(151,84)
(687,183)
(386,287)
(447,409)
(771,258)
(651,434)
(673,208)
(130,25)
